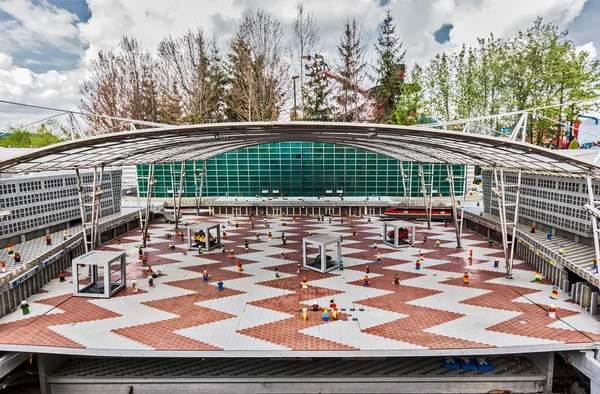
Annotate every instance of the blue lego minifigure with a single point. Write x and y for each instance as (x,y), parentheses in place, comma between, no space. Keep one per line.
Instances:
(220,284)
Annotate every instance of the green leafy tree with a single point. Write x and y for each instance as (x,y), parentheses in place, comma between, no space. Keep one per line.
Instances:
(411,105)
(389,68)
(22,138)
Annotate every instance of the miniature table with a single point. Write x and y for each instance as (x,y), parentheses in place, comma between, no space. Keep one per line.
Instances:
(206,230)
(322,263)
(93,270)
(396,226)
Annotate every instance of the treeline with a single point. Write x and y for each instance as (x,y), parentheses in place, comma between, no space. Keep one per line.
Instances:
(188,80)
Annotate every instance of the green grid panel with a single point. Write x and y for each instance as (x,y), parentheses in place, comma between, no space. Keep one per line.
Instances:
(299,169)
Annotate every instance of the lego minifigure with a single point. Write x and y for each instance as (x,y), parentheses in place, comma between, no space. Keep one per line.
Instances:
(561,250)
(270,236)
(257,237)
(374,245)
(48,240)
(421,255)
(445,224)
(366,281)
(342,220)
(147,237)
(246,244)
(150,281)
(294,219)
(223,249)
(418,265)
(119,243)
(231,254)
(65,235)
(284,240)
(304,314)
(299,268)
(25,308)
(367,269)
(237,225)
(282,236)
(496,263)
(220,285)
(470,255)
(378,257)
(532,230)
(549,235)
(310,233)
(554,294)
(595,264)
(329,220)
(239,266)
(17,257)
(437,243)
(205,276)
(334,312)
(304,283)
(172,247)
(103,248)
(134,288)
(276,272)
(368,220)
(3,266)
(325,315)
(341,265)
(168,235)
(490,243)
(61,276)
(10,250)
(224,235)
(140,252)
(552,311)
(341,238)
(331,304)
(425,240)
(354,232)
(409,244)
(251,224)
(466,278)
(396,279)
(315,306)
(144,261)
(537,278)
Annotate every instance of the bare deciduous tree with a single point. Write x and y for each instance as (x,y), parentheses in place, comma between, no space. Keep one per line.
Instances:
(305,40)
(258,71)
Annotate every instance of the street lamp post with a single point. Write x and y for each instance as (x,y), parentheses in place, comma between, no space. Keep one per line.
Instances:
(294,109)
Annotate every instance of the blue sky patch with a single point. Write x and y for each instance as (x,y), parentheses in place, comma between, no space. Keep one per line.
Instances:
(442,34)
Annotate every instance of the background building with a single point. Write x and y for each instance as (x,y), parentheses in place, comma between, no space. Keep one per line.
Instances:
(45,202)
(299,169)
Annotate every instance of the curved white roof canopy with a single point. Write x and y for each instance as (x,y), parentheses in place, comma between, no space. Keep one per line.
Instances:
(198,142)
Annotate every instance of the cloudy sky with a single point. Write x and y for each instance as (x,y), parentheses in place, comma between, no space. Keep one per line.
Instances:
(44,44)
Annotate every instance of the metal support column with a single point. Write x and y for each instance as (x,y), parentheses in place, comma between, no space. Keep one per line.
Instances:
(199,192)
(426,193)
(146,221)
(95,195)
(457,226)
(506,227)
(137,194)
(464,199)
(403,175)
(177,207)
(593,207)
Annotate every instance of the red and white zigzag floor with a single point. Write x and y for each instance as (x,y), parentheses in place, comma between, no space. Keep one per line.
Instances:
(430,311)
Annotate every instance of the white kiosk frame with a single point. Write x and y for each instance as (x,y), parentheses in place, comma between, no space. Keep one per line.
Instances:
(397,225)
(206,228)
(93,260)
(321,242)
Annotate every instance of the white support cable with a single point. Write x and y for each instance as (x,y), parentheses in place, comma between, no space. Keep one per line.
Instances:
(403,175)
(150,186)
(505,114)
(594,215)
(520,126)
(180,194)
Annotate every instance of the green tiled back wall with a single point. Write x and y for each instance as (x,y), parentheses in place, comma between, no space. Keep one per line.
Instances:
(298,169)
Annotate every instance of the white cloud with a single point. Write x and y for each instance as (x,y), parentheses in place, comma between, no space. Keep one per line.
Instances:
(589,48)
(39,23)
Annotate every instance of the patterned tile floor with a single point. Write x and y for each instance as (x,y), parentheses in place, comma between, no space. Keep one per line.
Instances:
(431,309)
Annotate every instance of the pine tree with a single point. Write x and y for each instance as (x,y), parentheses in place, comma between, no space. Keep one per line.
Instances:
(317,98)
(350,68)
(390,67)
